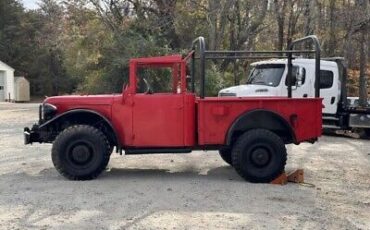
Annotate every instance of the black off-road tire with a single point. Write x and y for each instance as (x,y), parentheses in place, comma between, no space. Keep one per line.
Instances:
(259,156)
(367,133)
(225,154)
(80,152)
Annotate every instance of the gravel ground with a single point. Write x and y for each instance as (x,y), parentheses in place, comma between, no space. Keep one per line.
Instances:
(183,191)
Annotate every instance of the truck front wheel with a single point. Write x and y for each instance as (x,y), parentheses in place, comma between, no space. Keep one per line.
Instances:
(225,154)
(80,152)
(259,156)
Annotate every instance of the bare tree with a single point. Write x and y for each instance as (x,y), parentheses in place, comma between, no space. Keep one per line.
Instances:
(295,10)
(309,17)
(279,9)
(217,15)
(332,26)
(363,27)
(246,22)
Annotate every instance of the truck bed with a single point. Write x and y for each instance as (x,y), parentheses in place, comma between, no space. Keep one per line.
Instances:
(216,115)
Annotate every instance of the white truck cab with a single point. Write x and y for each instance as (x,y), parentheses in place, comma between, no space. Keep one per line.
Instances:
(269,78)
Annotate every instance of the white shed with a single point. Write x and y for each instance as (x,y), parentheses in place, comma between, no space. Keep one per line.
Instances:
(6,82)
(21,89)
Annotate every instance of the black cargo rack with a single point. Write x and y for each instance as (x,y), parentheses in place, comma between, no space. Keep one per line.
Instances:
(235,55)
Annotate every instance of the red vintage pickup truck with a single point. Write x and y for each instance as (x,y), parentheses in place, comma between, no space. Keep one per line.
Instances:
(250,133)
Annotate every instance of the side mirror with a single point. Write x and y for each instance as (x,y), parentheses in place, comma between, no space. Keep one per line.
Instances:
(300,76)
(124,92)
(124,87)
(294,79)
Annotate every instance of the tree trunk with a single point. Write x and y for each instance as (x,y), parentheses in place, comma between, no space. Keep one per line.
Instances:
(363,63)
(212,24)
(308,17)
(332,25)
(364,42)
(166,11)
(294,12)
(280,19)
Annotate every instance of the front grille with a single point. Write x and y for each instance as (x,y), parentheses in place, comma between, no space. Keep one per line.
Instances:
(227,95)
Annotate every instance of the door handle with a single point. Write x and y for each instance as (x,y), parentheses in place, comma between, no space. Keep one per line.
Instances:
(332,100)
(305,95)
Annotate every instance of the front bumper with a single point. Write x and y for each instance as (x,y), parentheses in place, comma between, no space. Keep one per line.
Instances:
(31,135)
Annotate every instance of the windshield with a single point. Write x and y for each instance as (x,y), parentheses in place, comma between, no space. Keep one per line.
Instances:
(269,75)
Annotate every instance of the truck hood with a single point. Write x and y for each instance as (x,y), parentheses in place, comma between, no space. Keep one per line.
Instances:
(250,90)
(81,100)
(98,103)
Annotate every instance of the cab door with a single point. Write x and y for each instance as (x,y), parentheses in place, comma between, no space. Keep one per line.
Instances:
(158,107)
(302,86)
(158,120)
(329,90)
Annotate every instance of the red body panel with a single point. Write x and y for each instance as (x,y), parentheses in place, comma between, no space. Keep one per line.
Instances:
(156,120)
(178,119)
(216,115)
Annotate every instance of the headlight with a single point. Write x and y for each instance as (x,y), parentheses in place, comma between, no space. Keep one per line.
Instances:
(47,111)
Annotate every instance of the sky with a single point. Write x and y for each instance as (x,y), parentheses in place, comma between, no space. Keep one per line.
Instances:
(30,4)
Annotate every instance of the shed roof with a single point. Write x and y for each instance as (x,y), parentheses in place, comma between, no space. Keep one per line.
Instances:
(4,65)
(20,78)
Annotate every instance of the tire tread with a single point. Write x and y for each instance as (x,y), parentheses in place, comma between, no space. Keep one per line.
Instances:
(237,153)
(58,164)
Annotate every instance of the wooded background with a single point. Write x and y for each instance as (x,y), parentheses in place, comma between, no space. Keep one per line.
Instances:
(85,45)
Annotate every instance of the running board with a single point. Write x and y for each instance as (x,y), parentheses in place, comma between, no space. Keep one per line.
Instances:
(156,151)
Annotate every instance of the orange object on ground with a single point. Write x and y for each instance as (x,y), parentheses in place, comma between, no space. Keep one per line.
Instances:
(281,180)
(296,176)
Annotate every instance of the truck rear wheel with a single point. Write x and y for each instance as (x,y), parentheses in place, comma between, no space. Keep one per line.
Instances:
(225,154)
(259,156)
(80,152)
